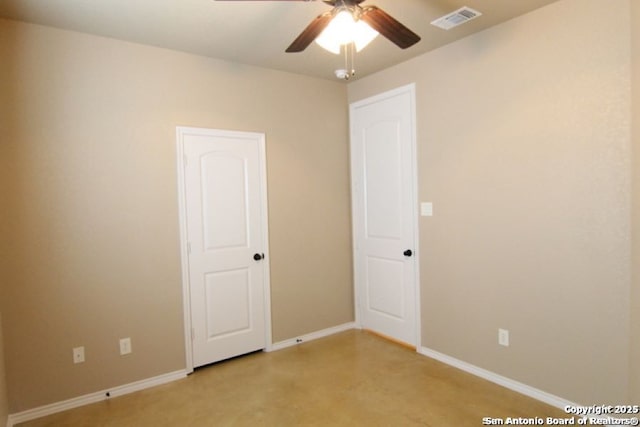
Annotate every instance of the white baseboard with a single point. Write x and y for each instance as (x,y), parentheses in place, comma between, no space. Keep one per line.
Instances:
(53,408)
(98,396)
(312,336)
(516,386)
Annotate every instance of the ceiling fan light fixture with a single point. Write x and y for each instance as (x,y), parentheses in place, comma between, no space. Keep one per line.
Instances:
(344,29)
(363,35)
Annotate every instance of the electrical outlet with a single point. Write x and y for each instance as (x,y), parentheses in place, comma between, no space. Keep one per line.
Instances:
(503,337)
(125,346)
(78,354)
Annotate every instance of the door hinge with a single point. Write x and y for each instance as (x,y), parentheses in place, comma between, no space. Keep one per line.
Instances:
(189,248)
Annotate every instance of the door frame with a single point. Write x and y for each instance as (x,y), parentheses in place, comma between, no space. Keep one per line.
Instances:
(357,215)
(181,162)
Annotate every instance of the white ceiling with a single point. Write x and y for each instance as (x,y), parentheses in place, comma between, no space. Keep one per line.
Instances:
(258,32)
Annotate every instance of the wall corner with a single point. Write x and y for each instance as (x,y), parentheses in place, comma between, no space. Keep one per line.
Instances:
(634,338)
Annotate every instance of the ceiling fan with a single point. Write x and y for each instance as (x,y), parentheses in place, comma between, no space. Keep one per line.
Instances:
(375,17)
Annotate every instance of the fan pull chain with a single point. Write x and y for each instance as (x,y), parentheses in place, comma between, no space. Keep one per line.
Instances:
(349,62)
(352,50)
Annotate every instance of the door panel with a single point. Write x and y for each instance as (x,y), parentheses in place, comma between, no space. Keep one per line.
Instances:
(225,226)
(228,296)
(226,178)
(385,209)
(383,184)
(382,279)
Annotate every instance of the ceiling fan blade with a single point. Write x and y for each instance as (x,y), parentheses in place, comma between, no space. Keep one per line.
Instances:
(329,2)
(389,27)
(310,33)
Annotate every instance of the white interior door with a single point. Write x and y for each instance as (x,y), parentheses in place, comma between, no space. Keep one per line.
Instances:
(385,211)
(226,242)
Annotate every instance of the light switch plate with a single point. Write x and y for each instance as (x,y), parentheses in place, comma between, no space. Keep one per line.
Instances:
(426,209)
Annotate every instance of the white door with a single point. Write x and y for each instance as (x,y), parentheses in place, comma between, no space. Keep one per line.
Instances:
(385,213)
(224,195)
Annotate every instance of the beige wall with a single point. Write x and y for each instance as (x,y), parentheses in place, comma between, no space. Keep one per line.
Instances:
(635,273)
(524,149)
(90,227)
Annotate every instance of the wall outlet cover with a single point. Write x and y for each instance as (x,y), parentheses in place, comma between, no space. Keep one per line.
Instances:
(503,337)
(125,346)
(78,355)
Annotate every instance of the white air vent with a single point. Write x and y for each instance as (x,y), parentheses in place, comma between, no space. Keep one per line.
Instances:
(453,19)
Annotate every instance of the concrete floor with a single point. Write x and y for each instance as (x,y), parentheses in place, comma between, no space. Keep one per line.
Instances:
(350,379)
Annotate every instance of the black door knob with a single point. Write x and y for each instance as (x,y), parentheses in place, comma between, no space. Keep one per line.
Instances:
(408,252)
(258,257)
